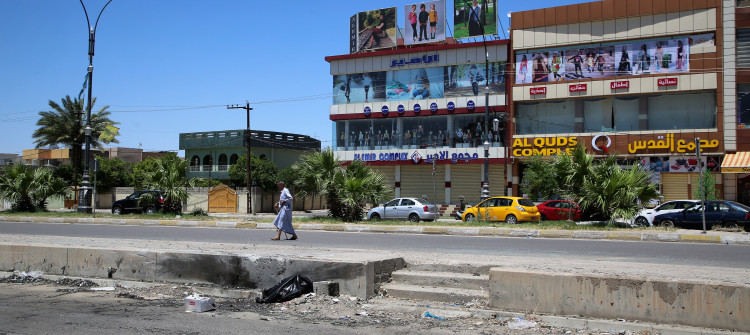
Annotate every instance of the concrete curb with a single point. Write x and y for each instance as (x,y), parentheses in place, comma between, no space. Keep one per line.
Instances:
(733,239)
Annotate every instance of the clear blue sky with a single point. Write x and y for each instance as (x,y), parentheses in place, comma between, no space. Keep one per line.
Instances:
(166,67)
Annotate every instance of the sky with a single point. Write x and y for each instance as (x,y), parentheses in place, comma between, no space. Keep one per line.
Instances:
(172,66)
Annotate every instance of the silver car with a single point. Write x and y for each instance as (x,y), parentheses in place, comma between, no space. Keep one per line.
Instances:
(411,209)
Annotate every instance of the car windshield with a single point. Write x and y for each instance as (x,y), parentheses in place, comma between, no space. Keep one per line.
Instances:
(424,202)
(739,206)
(526,202)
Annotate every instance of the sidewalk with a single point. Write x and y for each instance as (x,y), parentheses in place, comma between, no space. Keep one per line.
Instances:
(247,221)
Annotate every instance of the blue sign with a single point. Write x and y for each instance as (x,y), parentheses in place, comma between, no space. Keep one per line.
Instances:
(451,106)
(401,109)
(434,107)
(470,105)
(384,110)
(367,110)
(417,108)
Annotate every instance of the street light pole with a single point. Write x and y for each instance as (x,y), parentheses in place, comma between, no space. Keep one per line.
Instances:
(250,207)
(84,193)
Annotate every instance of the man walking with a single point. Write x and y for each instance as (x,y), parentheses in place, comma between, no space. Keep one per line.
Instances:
(283,221)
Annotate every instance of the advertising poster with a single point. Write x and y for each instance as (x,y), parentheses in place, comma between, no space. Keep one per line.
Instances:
(470,79)
(375,29)
(415,84)
(703,40)
(471,16)
(359,88)
(425,22)
(651,57)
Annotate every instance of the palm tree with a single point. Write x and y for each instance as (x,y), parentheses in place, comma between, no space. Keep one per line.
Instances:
(316,171)
(28,188)
(357,184)
(65,125)
(170,178)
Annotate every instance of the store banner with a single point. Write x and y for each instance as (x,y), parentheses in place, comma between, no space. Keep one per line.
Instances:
(595,62)
(471,16)
(424,22)
(375,29)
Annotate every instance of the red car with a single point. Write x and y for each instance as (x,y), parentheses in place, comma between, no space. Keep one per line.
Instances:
(559,210)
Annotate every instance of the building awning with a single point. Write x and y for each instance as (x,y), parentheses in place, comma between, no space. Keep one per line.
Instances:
(736,163)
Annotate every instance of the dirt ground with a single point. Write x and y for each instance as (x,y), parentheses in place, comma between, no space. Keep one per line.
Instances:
(37,305)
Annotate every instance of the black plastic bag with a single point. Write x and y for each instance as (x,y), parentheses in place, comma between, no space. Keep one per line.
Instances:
(287,289)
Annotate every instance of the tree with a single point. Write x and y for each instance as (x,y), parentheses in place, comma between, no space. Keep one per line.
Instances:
(170,178)
(65,125)
(346,189)
(142,172)
(264,172)
(28,188)
(113,172)
(709,187)
(539,181)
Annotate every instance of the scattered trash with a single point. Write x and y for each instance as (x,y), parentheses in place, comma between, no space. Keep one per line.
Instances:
(353,298)
(519,323)
(32,274)
(106,288)
(427,314)
(309,295)
(621,320)
(360,313)
(287,289)
(266,318)
(283,308)
(335,300)
(198,304)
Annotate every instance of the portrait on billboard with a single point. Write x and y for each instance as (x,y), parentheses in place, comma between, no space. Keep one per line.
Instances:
(425,22)
(471,79)
(359,88)
(652,57)
(376,29)
(471,18)
(415,84)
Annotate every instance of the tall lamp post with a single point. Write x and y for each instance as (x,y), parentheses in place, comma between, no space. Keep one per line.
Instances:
(84,193)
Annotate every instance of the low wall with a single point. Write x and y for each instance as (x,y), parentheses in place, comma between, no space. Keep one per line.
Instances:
(360,279)
(691,304)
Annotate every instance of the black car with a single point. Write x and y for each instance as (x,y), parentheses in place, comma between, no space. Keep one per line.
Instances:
(134,204)
(725,214)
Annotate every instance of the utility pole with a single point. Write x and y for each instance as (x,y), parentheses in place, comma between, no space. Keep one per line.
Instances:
(700,183)
(247,108)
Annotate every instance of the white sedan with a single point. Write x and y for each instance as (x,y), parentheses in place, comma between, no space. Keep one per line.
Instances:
(645,218)
(411,209)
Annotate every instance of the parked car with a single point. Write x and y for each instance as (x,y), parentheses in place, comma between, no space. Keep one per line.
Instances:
(411,209)
(726,214)
(645,218)
(559,210)
(509,209)
(131,203)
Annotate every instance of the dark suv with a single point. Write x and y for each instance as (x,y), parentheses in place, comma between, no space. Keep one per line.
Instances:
(131,203)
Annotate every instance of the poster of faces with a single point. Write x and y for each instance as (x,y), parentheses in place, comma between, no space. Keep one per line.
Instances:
(375,29)
(652,57)
(424,22)
(415,84)
(472,79)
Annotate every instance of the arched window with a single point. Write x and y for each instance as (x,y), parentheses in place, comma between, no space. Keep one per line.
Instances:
(233,159)
(223,162)
(207,162)
(195,163)
(263,156)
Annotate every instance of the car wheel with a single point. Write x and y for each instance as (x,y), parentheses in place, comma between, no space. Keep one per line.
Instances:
(731,225)
(641,222)
(413,217)
(511,219)
(375,217)
(150,210)
(543,217)
(470,218)
(116,210)
(667,223)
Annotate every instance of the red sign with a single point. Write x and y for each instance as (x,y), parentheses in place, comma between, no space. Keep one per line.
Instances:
(538,90)
(667,82)
(619,84)
(577,88)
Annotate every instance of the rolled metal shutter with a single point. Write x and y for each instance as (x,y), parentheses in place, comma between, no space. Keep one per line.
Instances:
(497,182)
(416,181)
(390,175)
(466,181)
(674,186)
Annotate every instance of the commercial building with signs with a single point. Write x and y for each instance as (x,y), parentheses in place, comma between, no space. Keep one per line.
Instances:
(637,79)
(410,111)
(211,153)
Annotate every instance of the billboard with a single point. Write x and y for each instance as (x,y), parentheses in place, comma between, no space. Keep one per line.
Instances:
(424,22)
(359,87)
(470,17)
(373,29)
(648,57)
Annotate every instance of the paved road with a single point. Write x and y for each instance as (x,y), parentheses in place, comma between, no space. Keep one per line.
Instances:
(729,256)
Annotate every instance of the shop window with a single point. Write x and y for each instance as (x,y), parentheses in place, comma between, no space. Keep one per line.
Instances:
(468,130)
(610,115)
(743,3)
(552,117)
(743,48)
(682,111)
(425,132)
(743,105)
(233,159)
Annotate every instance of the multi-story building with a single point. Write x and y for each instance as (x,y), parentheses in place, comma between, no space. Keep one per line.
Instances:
(417,115)
(211,153)
(638,79)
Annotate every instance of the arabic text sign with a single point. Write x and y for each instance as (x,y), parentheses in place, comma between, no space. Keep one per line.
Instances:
(668,143)
(537,90)
(577,88)
(619,84)
(667,82)
(425,59)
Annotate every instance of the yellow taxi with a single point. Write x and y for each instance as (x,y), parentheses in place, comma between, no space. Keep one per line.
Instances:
(509,209)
